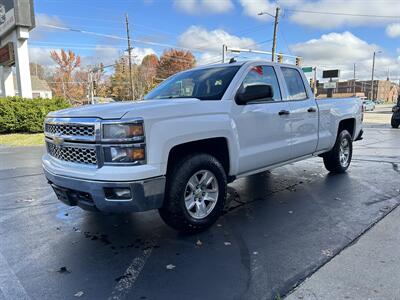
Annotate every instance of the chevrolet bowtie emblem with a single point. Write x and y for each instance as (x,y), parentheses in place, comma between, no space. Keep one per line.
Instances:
(58,140)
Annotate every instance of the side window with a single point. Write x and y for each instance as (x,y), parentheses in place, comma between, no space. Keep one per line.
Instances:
(263,75)
(294,83)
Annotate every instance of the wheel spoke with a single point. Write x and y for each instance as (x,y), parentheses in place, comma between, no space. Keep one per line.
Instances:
(193,182)
(201,209)
(189,202)
(205,177)
(211,197)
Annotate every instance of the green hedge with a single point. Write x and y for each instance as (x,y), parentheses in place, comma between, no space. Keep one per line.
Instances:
(26,115)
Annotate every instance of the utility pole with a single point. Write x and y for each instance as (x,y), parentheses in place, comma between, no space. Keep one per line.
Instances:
(129,56)
(373,71)
(275,32)
(90,86)
(372,77)
(315,82)
(354,80)
(276,18)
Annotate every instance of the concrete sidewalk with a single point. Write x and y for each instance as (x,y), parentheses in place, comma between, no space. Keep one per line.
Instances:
(369,269)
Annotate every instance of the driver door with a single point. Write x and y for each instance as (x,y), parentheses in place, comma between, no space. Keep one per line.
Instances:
(263,126)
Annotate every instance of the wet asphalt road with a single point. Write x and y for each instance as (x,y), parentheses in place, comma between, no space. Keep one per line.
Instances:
(279,227)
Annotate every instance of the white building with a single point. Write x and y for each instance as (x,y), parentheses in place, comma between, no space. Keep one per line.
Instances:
(40,88)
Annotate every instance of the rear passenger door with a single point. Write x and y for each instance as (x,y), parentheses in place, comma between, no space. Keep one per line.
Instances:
(303,113)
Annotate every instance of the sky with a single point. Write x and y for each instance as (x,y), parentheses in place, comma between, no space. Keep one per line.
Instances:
(327,34)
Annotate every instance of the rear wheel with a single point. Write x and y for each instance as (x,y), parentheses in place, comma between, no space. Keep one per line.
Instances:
(395,123)
(338,159)
(195,193)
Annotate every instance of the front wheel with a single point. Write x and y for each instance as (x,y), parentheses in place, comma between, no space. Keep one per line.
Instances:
(338,159)
(195,193)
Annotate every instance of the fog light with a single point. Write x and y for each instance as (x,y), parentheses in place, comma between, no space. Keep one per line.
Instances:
(118,193)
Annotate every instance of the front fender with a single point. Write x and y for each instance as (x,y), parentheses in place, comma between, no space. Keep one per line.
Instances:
(166,134)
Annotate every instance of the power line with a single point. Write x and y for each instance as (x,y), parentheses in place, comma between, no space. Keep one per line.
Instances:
(340,14)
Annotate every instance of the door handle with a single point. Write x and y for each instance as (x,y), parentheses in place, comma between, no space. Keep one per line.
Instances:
(284,112)
(312,109)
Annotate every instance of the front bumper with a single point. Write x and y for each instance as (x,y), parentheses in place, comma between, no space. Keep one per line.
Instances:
(146,194)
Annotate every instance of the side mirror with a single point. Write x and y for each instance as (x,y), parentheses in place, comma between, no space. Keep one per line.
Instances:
(254,92)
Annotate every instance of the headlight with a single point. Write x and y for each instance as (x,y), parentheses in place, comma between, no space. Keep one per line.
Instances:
(125,154)
(123,131)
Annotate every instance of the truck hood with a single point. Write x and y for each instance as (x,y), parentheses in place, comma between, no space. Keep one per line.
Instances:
(119,109)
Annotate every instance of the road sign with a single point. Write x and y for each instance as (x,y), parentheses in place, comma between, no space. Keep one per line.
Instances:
(330,85)
(330,74)
(307,69)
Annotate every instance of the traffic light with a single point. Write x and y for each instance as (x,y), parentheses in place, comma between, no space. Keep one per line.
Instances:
(298,61)
(94,85)
(280,58)
(311,82)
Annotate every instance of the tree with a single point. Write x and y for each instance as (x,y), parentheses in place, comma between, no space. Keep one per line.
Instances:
(120,80)
(70,81)
(173,61)
(148,72)
(37,70)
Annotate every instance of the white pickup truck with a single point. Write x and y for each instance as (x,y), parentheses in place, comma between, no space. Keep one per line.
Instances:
(178,148)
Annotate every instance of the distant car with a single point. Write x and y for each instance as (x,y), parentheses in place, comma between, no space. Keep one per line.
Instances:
(396,114)
(369,105)
(379,101)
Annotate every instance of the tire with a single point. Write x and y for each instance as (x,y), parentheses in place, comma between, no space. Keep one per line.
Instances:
(178,212)
(395,123)
(338,159)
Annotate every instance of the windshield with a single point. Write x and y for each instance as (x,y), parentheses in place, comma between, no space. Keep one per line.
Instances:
(203,84)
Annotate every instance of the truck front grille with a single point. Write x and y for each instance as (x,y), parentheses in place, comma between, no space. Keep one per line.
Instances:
(70,129)
(73,153)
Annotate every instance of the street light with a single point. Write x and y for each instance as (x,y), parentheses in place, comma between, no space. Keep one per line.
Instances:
(373,71)
(276,17)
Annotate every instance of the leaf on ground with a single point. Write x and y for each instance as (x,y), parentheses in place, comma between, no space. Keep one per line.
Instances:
(79,294)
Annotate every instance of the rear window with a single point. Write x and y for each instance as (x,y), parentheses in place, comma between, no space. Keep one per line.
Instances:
(294,83)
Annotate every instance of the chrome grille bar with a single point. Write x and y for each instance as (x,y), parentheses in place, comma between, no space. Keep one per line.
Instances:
(73,129)
(75,153)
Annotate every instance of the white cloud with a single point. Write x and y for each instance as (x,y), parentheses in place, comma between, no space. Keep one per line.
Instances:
(204,6)
(196,37)
(342,50)
(139,53)
(393,30)
(105,55)
(44,19)
(200,38)
(334,47)
(253,7)
(381,7)
(327,21)
(41,56)
(108,55)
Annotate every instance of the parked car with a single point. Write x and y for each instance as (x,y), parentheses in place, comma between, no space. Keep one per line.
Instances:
(395,122)
(369,105)
(176,150)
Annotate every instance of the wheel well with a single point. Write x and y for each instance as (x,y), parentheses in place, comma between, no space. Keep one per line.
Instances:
(347,124)
(217,147)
